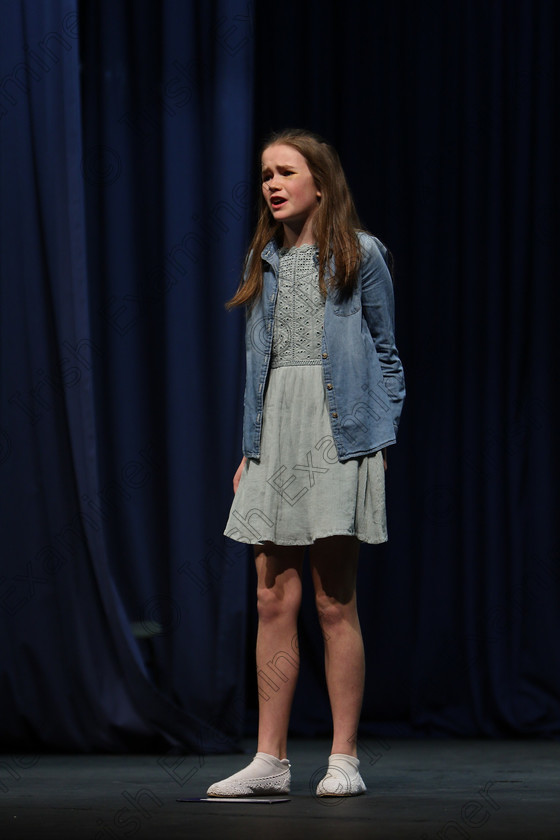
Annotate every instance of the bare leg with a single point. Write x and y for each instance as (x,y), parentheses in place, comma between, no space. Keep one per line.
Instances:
(278,601)
(334,566)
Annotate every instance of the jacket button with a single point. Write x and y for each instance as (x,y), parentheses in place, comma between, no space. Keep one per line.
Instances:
(329,387)
(325,355)
(334,414)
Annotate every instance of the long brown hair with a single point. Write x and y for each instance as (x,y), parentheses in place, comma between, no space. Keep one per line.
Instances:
(334,224)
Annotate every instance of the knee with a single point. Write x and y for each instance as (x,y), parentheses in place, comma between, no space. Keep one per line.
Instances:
(332,613)
(273,605)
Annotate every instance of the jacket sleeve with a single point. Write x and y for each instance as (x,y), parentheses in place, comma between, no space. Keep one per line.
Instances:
(378,307)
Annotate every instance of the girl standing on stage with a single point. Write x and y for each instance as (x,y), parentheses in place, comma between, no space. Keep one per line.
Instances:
(323,398)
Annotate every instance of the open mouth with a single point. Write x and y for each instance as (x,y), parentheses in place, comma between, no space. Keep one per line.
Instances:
(277,201)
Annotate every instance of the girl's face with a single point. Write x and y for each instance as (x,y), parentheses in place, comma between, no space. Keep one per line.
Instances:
(288,186)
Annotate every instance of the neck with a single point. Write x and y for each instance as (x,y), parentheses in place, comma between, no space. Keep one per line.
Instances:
(294,236)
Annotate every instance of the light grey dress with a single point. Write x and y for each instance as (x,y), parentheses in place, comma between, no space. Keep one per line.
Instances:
(299,491)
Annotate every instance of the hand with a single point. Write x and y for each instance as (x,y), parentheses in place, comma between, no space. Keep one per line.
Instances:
(384,451)
(237,475)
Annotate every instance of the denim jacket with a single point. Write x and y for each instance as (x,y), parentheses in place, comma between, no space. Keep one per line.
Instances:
(362,371)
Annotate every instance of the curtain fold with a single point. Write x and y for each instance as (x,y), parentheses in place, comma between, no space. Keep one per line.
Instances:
(109,643)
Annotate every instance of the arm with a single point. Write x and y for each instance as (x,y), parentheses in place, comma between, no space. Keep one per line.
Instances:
(379,312)
(237,475)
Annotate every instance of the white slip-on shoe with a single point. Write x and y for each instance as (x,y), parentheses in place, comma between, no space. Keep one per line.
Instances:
(342,777)
(266,774)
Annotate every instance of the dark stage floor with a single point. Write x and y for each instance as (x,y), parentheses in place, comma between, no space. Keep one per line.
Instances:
(426,790)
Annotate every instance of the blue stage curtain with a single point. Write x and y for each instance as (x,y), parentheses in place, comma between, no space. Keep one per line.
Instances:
(443,115)
(126,140)
(128,132)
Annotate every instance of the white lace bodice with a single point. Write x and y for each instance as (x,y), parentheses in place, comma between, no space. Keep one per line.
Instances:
(298,318)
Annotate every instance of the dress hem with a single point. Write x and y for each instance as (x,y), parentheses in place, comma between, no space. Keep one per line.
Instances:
(313,540)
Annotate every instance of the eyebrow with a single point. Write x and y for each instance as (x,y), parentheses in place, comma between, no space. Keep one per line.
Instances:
(280,166)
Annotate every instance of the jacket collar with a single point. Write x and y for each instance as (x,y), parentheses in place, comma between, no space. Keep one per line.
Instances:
(270,254)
